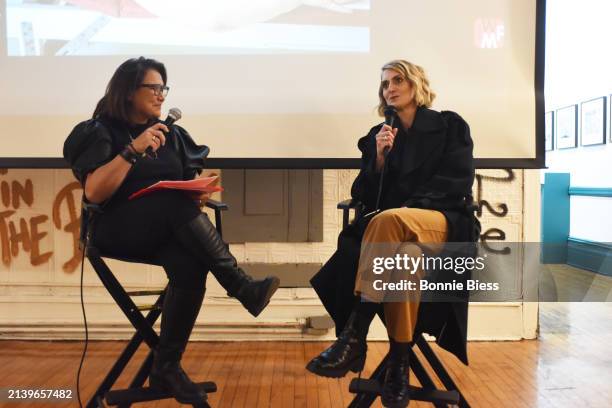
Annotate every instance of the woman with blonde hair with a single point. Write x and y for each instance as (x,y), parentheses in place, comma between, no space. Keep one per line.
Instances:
(424,201)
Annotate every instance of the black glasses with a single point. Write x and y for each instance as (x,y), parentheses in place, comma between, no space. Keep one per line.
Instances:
(157,89)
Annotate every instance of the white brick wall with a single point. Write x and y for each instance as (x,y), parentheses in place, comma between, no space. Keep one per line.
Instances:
(32,294)
(337,183)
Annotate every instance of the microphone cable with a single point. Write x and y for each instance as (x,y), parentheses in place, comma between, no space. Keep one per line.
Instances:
(78,379)
(390,112)
(380,185)
(85,246)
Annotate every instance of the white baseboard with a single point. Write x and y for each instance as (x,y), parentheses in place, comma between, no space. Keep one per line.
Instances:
(58,317)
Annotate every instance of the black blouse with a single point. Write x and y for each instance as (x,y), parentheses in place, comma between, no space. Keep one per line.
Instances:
(164,164)
(95,142)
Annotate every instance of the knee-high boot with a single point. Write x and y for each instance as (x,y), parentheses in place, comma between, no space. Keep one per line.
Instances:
(179,313)
(201,237)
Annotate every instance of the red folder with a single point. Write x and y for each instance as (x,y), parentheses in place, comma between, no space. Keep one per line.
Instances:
(193,187)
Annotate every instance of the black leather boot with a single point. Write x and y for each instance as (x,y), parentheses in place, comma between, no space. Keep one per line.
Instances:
(349,350)
(202,238)
(179,313)
(396,389)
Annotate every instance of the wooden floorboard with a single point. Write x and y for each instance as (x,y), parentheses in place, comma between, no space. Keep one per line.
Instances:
(570,365)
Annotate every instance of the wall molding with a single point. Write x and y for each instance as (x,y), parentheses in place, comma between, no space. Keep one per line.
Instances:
(590,255)
(590,191)
(286,319)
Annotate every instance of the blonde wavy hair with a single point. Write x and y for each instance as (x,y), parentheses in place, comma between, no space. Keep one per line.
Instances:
(423,95)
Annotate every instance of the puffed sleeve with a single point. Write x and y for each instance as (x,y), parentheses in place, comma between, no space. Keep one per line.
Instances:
(365,186)
(88,146)
(454,177)
(192,155)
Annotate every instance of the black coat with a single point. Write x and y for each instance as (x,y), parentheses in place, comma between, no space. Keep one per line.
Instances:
(430,166)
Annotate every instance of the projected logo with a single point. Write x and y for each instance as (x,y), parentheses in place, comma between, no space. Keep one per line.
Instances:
(489,33)
(120,27)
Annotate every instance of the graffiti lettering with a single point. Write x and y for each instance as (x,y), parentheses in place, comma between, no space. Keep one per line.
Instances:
(72,226)
(26,193)
(24,234)
(503,208)
(28,236)
(4,236)
(493,234)
(5,191)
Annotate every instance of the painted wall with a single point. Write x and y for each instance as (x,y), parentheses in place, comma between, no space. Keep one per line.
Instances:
(40,263)
(577,70)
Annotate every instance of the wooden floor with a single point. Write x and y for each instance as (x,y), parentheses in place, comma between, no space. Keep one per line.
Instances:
(570,365)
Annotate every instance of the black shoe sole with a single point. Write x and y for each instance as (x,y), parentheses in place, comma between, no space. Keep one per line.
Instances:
(274,284)
(395,404)
(160,385)
(355,366)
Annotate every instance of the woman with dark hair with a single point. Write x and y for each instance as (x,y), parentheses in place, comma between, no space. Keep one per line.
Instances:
(108,155)
(424,202)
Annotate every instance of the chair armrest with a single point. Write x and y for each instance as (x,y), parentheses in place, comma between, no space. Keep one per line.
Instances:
(88,210)
(94,208)
(348,204)
(216,205)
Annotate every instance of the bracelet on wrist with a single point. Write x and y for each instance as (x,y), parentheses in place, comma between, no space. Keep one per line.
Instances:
(136,152)
(128,154)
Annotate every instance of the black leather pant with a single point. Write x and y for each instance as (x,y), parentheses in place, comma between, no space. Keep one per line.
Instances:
(144,228)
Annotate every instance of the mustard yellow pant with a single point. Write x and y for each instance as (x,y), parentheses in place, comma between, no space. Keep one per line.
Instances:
(405,231)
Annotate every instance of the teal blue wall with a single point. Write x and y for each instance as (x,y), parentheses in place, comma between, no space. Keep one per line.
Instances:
(555,217)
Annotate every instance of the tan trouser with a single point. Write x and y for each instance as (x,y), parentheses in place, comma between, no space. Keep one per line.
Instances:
(399,231)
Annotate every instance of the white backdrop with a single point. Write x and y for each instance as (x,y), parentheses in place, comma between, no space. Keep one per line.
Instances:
(290,79)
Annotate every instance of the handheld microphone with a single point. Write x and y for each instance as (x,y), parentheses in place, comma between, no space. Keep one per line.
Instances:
(390,112)
(174,114)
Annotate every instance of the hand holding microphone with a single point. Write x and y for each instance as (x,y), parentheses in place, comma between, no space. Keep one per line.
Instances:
(384,143)
(385,137)
(384,140)
(154,137)
(151,139)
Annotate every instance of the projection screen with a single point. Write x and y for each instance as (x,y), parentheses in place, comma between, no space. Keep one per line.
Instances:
(275,83)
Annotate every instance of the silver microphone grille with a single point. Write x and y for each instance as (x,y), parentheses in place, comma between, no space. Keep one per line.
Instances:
(175,113)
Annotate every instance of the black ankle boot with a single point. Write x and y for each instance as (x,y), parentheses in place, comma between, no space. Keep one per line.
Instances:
(396,389)
(179,313)
(202,238)
(349,350)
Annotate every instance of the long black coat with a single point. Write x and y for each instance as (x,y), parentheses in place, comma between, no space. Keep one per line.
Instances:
(430,166)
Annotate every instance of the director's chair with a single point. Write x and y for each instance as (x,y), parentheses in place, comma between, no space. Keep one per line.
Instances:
(136,392)
(367,389)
